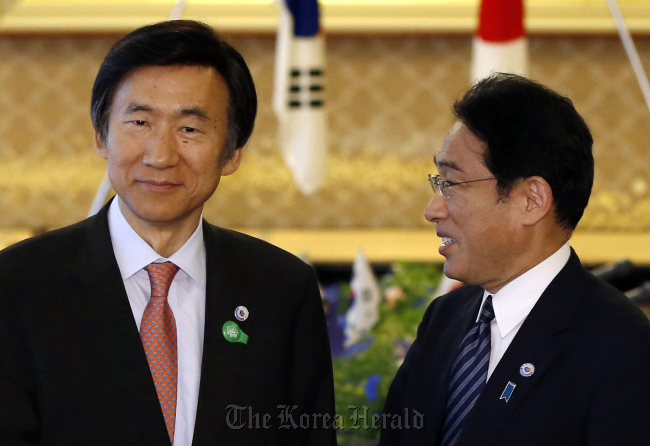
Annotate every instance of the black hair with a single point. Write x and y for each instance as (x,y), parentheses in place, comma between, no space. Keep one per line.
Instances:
(530,130)
(178,42)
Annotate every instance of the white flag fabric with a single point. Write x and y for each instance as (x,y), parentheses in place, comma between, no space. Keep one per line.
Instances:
(364,313)
(299,93)
(500,44)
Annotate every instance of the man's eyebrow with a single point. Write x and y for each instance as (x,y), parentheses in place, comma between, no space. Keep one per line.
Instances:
(198,112)
(194,111)
(133,107)
(448,164)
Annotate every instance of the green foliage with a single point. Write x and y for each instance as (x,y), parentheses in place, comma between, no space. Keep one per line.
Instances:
(344,297)
(395,330)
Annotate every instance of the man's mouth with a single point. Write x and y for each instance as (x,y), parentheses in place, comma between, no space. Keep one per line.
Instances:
(447,241)
(159,183)
(159,186)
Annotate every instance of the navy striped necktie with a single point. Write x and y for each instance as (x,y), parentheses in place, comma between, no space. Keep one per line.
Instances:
(469,374)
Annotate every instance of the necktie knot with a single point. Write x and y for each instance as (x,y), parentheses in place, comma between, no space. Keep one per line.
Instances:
(487,313)
(160,277)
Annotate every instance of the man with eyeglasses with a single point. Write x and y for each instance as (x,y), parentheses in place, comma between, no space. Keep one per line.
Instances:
(534,350)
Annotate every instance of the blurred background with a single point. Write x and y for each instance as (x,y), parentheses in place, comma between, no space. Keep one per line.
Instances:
(393,70)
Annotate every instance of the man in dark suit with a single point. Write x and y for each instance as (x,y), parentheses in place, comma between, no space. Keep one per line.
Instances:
(145,325)
(535,350)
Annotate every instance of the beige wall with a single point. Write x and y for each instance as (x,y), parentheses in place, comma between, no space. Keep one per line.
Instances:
(388,103)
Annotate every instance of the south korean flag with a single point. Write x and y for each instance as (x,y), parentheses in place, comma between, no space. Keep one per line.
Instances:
(299,93)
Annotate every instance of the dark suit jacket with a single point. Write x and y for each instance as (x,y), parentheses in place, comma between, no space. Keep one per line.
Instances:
(72,366)
(591,386)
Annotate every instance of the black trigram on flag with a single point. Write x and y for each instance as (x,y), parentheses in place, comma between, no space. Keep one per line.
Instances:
(306,88)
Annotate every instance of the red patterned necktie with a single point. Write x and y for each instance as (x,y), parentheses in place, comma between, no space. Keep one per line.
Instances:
(158,333)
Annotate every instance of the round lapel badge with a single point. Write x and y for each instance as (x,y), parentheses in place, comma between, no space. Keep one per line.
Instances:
(241,313)
(527,370)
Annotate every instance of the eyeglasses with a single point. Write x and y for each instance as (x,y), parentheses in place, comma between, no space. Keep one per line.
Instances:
(442,186)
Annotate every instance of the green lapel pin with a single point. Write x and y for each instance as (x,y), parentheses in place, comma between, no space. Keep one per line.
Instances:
(232,333)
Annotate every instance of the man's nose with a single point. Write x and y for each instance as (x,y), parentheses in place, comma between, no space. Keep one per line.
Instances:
(436,209)
(162,149)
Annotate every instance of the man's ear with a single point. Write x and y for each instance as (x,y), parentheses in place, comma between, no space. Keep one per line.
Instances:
(538,199)
(232,164)
(99,146)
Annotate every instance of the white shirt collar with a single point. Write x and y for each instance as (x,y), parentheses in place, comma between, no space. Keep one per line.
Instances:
(514,301)
(133,253)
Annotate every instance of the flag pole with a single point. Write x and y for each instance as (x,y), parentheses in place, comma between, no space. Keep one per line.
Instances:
(100,196)
(282,56)
(105,185)
(177,10)
(630,49)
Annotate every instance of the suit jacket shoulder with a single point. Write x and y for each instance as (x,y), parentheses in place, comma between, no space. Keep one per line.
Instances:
(252,251)
(46,249)
(56,259)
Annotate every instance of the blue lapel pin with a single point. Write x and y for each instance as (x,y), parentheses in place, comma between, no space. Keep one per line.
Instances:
(507,392)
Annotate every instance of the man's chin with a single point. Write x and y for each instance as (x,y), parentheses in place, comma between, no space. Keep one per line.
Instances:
(155,216)
(452,271)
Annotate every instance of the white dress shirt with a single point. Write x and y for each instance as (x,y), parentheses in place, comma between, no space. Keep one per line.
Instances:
(186,299)
(514,301)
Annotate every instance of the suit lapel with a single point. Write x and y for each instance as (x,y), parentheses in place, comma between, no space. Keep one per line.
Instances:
(106,320)
(221,359)
(535,343)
